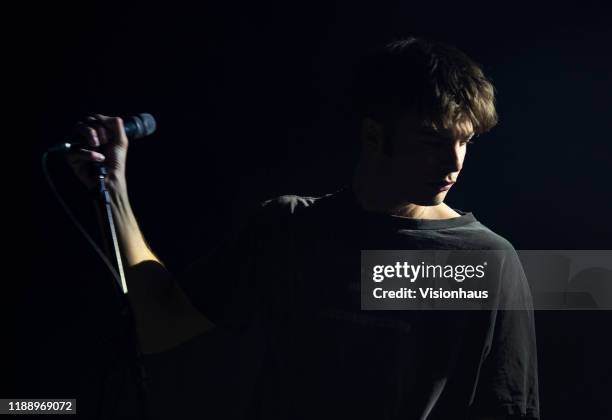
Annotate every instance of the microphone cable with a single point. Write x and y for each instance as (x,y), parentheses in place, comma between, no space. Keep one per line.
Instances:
(74,220)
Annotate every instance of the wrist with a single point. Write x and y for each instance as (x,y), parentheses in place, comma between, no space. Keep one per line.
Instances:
(116,184)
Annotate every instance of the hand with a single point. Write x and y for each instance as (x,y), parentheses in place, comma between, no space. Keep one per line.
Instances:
(106,142)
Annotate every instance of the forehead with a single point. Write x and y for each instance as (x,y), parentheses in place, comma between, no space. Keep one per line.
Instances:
(411,124)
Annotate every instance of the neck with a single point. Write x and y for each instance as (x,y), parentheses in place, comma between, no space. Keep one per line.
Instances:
(374,195)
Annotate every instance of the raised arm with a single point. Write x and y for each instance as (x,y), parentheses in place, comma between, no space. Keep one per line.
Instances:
(163,314)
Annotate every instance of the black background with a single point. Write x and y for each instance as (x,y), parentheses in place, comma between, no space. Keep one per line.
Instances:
(250,103)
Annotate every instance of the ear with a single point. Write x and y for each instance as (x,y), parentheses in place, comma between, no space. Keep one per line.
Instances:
(371,135)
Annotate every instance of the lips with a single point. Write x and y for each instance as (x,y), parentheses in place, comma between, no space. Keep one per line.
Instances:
(442,185)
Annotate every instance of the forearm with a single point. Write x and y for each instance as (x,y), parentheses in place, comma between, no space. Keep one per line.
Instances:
(164,316)
(133,246)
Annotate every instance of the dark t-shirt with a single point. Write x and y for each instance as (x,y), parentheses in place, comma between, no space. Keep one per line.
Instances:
(292,276)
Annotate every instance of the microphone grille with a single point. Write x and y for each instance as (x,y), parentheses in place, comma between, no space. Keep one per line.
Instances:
(149,125)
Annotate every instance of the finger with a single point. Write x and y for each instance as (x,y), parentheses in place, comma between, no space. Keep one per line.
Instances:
(98,125)
(79,156)
(87,133)
(115,126)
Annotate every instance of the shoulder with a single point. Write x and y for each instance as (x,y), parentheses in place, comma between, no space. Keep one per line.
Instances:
(289,205)
(292,211)
(285,216)
(508,258)
(486,239)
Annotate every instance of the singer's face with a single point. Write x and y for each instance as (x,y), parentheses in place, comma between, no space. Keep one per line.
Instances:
(424,160)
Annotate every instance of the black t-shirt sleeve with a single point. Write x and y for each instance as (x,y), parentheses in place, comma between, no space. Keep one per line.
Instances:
(508,383)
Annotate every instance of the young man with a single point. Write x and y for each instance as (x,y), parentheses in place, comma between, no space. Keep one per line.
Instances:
(292,276)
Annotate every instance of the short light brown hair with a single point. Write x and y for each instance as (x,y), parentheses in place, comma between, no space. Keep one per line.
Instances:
(441,84)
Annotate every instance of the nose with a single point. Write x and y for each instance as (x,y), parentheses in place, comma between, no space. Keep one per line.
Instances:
(452,158)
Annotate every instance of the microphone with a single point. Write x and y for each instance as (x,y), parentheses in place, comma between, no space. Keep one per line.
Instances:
(135,127)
